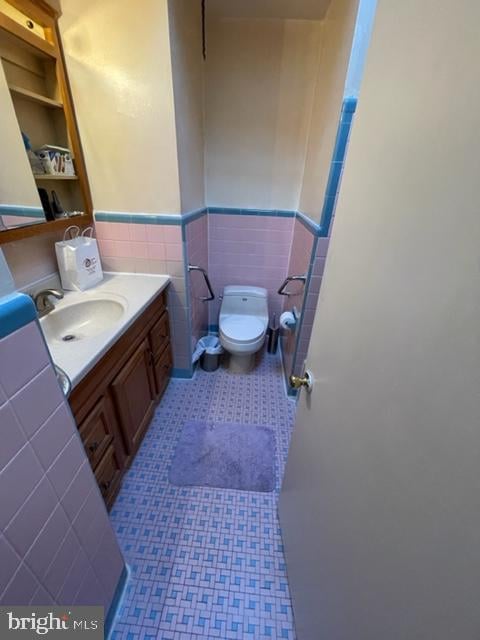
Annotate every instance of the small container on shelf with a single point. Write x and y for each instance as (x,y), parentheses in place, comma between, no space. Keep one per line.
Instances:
(56,160)
(35,162)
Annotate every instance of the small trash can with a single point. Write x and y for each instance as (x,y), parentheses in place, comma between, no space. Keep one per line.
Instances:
(210,361)
(209,351)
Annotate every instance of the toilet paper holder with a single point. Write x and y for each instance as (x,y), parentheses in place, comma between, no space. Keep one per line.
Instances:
(288,279)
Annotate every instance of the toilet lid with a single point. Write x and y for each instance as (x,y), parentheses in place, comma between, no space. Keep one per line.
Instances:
(242,328)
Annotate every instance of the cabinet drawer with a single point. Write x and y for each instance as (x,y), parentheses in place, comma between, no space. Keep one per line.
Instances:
(162,367)
(96,431)
(108,475)
(160,335)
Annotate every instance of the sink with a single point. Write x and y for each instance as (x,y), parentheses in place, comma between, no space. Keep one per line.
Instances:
(71,322)
(63,380)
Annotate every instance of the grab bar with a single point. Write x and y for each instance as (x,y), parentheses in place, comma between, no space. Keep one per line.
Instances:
(211,296)
(288,279)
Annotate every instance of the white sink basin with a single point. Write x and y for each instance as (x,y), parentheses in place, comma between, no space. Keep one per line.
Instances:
(71,322)
(85,324)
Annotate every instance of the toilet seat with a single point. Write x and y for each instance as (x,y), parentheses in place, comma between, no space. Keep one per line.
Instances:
(242,334)
(243,325)
(242,328)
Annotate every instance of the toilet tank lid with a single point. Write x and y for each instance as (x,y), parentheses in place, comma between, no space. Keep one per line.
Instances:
(241,290)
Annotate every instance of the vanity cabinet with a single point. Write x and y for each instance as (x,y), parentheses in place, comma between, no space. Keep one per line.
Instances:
(162,366)
(103,446)
(134,392)
(96,430)
(114,404)
(109,475)
(160,353)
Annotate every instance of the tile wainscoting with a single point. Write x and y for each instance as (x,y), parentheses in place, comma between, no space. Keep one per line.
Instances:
(295,347)
(56,542)
(156,245)
(303,241)
(249,250)
(13,215)
(196,239)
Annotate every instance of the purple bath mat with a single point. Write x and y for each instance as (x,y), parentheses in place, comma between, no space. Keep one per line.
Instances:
(226,456)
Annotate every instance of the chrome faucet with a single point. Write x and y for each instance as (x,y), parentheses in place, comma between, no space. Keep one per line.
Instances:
(43,303)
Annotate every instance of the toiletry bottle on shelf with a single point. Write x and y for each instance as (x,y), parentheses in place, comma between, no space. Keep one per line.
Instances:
(47,207)
(57,208)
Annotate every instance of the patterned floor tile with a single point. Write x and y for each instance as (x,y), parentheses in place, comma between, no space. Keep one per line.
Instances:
(205,563)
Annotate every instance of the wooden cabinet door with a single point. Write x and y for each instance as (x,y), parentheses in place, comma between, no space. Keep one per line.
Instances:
(134,395)
(160,335)
(96,430)
(108,475)
(162,369)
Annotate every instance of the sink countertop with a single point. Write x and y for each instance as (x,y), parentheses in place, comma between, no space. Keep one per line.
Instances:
(78,357)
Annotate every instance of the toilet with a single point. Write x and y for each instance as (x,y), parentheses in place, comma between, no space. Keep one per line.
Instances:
(243,325)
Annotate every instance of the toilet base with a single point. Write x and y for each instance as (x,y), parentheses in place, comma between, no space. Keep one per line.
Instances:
(241,363)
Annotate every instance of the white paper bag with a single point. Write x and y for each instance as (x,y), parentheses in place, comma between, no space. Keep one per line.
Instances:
(78,260)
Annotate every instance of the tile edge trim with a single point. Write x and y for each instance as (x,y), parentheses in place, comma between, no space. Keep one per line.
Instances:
(16,311)
(116,601)
(184,374)
(308,223)
(21,211)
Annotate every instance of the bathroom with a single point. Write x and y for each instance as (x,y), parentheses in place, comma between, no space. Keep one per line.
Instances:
(174,170)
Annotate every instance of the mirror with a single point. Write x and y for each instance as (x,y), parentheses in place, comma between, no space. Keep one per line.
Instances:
(39,172)
(17,218)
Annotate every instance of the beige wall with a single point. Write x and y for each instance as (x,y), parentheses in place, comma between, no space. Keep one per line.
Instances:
(259,91)
(17,186)
(118,59)
(391,528)
(188,84)
(338,29)
(285,9)
(135,101)
(271,110)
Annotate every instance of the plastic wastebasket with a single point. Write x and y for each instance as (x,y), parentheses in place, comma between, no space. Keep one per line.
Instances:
(208,350)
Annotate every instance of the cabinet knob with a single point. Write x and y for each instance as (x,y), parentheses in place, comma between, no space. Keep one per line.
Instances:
(106,485)
(93,447)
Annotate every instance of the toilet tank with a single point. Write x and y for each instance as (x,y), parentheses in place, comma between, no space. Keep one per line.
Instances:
(243,300)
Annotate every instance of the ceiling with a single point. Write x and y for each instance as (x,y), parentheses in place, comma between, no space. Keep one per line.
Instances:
(285,9)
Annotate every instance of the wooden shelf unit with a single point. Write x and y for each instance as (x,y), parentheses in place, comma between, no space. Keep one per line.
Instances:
(36,77)
(27,40)
(35,97)
(53,176)
(29,230)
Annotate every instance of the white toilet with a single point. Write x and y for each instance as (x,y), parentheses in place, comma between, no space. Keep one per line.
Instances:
(243,325)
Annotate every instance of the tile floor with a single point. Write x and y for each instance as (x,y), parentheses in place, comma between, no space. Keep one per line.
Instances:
(205,563)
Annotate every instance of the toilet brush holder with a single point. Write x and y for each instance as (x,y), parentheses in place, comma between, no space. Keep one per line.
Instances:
(273,335)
